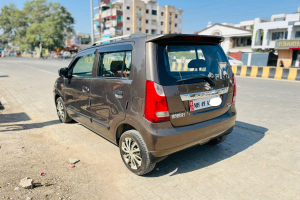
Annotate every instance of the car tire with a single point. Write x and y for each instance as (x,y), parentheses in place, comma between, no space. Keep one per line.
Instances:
(62,111)
(134,153)
(217,140)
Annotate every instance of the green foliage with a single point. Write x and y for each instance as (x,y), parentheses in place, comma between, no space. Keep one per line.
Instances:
(48,20)
(13,24)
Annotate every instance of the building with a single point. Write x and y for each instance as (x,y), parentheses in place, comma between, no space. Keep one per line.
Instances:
(279,35)
(122,17)
(237,38)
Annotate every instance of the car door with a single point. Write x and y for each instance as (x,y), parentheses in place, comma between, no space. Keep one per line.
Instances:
(77,87)
(110,91)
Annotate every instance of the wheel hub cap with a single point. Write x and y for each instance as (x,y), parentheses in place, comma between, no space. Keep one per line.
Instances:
(131,153)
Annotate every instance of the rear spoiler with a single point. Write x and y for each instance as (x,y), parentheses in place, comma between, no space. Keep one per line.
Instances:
(187,38)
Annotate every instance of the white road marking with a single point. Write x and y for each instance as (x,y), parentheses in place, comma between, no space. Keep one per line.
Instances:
(39,69)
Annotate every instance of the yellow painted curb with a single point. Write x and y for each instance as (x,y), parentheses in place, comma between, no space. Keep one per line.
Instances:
(254,71)
(278,73)
(292,74)
(234,69)
(243,71)
(265,73)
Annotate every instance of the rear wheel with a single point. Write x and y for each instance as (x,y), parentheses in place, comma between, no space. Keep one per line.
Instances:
(134,153)
(217,140)
(62,111)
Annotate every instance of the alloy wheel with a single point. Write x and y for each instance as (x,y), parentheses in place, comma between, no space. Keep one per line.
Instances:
(131,153)
(60,110)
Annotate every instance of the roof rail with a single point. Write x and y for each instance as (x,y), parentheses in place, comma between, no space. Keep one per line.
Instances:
(135,35)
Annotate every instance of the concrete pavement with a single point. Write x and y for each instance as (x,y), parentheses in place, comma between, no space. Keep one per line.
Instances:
(259,160)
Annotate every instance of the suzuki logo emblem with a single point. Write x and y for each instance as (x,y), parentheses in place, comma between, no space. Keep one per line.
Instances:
(207,86)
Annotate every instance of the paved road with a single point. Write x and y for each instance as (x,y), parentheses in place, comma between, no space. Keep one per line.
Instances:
(259,160)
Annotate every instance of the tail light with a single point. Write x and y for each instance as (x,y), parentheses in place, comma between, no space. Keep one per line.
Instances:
(234,89)
(156,107)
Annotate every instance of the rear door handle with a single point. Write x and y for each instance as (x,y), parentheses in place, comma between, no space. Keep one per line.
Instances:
(85,89)
(119,93)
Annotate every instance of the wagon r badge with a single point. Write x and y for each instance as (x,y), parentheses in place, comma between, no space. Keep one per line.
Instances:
(178,115)
(207,86)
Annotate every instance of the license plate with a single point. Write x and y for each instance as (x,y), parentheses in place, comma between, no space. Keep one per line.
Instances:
(200,103)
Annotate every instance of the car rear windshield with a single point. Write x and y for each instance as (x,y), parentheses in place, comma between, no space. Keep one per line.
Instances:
(178,62)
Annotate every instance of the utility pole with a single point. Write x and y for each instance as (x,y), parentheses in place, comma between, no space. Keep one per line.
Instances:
(92,21)
(100,18)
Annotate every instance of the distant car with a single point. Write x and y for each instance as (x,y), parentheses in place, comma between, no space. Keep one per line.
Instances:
(11,53)
(233,61)
(67,54)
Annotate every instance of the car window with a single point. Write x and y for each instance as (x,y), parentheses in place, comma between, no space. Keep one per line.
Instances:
(84,66)
(112,64)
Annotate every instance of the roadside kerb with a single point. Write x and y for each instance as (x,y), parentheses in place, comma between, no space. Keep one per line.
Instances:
(292,74)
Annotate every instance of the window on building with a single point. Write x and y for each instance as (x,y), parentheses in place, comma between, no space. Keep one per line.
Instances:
(112,64)
(169,32)
(176,16)
(147,31)
(297,35)
(154,22)
(279,35)
(161,23)
(161,32)
(175,25)
(128,29)
(154,12)
(162,14)
(147,11)
(128,18)
(243,41)
(128,7)
(153,31)
(84,66)
(147,21)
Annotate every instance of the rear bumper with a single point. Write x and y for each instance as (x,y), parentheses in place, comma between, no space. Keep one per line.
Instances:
(163,139)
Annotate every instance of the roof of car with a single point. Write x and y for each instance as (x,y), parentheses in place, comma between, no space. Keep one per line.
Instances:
(162,37)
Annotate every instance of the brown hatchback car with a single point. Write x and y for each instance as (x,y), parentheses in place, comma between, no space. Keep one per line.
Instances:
(152,95)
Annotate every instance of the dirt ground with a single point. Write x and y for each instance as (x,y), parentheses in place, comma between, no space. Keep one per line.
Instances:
(29,149)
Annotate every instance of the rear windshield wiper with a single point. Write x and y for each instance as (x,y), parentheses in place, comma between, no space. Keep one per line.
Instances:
(206,78)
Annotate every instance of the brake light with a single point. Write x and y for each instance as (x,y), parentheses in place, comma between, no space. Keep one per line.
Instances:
(156,107)
(234,89)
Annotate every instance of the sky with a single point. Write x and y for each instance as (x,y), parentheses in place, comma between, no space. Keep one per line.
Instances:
(197,13)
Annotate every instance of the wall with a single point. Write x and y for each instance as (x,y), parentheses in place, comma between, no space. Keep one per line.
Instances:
(259,59)
(236,55)
(244,58)
(286,56)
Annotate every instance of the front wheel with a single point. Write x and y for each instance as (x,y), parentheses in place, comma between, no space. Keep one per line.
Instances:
(134,153)
(62,111)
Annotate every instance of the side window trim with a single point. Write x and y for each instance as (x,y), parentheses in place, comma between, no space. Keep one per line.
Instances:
(71,66)
(115,48)
(123,64)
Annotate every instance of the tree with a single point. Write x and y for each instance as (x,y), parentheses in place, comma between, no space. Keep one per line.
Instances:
(48,20)
(13,24)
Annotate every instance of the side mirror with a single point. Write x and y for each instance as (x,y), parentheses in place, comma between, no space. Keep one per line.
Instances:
(63,72)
